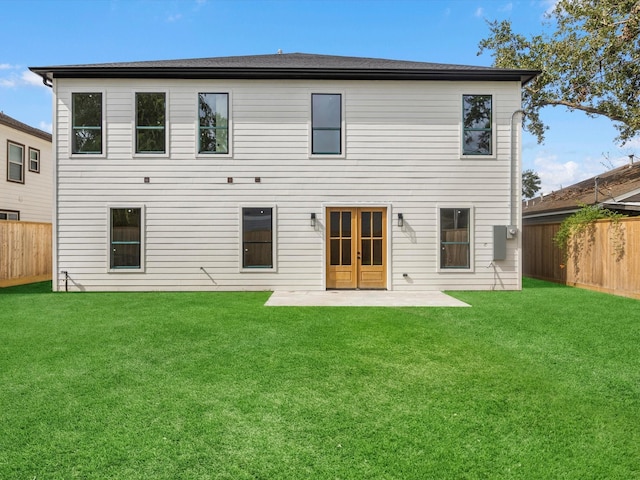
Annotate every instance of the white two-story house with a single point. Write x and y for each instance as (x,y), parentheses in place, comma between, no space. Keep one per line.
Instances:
(286,171)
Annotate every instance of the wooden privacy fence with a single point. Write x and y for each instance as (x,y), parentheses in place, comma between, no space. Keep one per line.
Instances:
(25,252)
(604,257)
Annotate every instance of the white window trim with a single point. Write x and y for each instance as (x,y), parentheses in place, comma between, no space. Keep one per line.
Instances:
(494,149)
(274,238)
(229,154)
(143,242)
(343,123)
(9,162)
(472,222)
(104,123)
(167,124)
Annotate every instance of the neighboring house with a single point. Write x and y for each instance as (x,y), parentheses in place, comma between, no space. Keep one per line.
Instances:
(286,171)
(27,186)
(617,190)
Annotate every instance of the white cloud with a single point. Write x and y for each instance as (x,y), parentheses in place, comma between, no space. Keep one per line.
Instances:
(506,8)
(7,83)
(30,78)
(7,66)
(46,126)
(13,78)
(174,18)
(479,12)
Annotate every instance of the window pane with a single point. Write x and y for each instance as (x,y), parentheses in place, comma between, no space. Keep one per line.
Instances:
(150,141)
(454,256)
(335,224)
(87,109)
(326,110)
(346,224)
(377,224)
(377,252)
(150,109)
(346,252)
(87,140)
(477,142)
(335,251)
(15,153)
(365,218)
(257,238)
(366,251)
(125,256)
(326,141)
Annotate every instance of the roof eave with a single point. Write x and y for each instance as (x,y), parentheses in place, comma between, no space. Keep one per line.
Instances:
(48,74)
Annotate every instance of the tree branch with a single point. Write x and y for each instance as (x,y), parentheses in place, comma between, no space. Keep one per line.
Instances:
(583,108)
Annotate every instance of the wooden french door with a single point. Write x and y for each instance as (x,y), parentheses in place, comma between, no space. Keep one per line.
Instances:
(356,247)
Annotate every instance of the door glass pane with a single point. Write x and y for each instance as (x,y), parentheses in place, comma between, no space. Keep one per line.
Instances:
(377,252)
(334,246)
(377,224)
(335,224)
(366,224)
(346,224)
(346,252)
(366,251)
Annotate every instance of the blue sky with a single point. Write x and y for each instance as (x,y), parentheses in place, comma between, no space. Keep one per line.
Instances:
(61,32)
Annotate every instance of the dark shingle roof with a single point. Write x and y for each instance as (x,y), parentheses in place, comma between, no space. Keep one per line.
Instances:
(615,186)
(23,127)
(288,65)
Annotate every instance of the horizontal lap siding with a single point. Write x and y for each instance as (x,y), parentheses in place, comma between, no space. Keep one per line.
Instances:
(402,149)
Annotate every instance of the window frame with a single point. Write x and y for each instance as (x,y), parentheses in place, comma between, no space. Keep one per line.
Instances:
(228,153)
(37,168)
(9,212)
(491,129)
(150,153)
(103,125)
(10,162)
(274,246)
(342,128)
(471,236)
(125,269)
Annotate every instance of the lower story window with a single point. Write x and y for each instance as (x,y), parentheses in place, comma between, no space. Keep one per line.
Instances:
(455,245)
(9,215)
(126,238)
(257,237)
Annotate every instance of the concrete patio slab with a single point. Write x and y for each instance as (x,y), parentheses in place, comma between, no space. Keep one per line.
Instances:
(362,298)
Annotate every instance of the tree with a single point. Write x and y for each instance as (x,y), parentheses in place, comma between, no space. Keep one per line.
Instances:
(530,183)
(590,63)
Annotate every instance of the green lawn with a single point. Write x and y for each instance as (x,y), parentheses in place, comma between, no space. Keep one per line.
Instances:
(538,384)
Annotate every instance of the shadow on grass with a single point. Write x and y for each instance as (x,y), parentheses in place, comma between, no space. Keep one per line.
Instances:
(29,289)
(528,283)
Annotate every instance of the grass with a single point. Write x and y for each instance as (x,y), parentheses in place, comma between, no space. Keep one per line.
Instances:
(538,384)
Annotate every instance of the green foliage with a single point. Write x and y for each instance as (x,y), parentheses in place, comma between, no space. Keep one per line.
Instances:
(579,222)
(590,62)
(204,385)
(530,183)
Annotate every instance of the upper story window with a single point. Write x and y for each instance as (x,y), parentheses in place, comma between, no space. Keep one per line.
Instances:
(9,215)
(86,123)
(455,238)
(213,130)
(15,162)
(150,122)
(34,160)
(477,134)
(326,123)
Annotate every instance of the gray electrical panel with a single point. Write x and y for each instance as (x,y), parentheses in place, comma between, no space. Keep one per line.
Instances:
(499,242)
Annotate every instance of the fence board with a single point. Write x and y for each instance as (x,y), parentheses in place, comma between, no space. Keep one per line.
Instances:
(604,257)
(25,252)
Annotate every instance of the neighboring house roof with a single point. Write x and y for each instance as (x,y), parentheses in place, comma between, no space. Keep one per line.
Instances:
(286,66)
(617,189)
(23,127)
